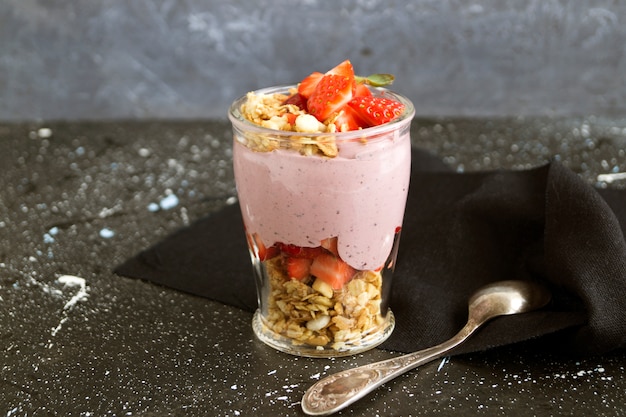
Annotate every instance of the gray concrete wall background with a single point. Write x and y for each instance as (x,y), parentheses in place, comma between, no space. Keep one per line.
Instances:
(62,59)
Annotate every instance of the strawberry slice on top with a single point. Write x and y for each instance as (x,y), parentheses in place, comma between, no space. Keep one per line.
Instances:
(345,69)
(333,91)
(362,90)
(344,99)
(376,110)
(298,100)
(308,84)
(347,119)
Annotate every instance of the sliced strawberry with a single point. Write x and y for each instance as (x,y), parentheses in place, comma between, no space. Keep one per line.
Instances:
(296,99)
(270,253)
(362,90)
(288,249)
(344,69)
(298,268)
(330,95)
(376,110)
(264,253)
(311,253)
(347,119)
(330,244)
(332,270)
(300,251)
(308,84)
(332,91)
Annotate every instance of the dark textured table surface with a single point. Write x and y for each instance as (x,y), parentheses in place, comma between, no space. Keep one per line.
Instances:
(78,198)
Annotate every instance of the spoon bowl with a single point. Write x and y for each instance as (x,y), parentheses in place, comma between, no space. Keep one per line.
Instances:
(501,298)
(507,297)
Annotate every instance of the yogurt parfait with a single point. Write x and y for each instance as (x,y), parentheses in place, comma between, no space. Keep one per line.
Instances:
(322,172)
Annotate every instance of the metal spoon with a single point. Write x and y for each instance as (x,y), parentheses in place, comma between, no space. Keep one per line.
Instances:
(339,390)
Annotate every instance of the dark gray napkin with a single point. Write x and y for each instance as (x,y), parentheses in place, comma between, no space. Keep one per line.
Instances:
(460,232)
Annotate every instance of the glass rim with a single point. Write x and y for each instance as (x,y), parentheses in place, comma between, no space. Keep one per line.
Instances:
(235,116)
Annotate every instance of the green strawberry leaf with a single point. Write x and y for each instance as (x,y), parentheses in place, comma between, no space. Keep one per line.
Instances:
(376,80)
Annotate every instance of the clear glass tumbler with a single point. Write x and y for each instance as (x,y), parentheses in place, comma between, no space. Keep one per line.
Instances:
(323,214)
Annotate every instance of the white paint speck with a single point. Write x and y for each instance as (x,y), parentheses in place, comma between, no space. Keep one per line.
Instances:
(233,387)
(231,200)
(56,329)
(169,202)
(108,212)
(143,152)
(184,216)
(80,295)
(44,132)
(106,233)
(74,281)
(442,363)
(153,207)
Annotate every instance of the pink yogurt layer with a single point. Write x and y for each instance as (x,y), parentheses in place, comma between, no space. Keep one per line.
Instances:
(358,196)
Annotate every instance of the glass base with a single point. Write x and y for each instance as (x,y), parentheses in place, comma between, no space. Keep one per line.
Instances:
(283,344)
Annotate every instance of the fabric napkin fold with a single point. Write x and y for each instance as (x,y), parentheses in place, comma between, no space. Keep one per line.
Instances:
(461,231)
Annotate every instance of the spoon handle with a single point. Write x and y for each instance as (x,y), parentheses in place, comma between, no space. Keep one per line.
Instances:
(339,390)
